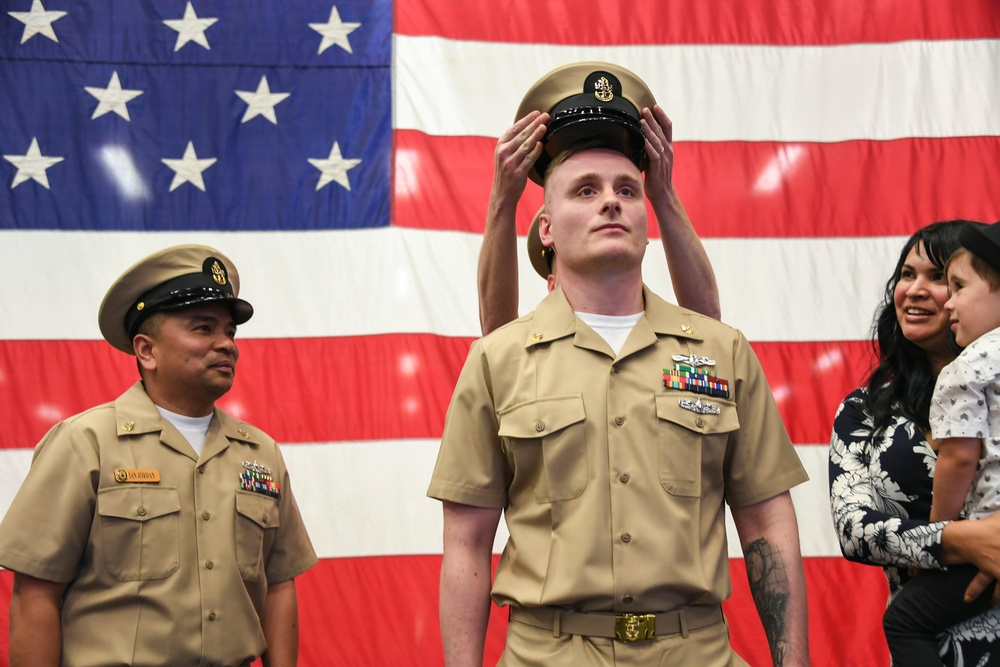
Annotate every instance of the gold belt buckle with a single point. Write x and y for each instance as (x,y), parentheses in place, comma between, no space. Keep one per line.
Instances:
(635,627)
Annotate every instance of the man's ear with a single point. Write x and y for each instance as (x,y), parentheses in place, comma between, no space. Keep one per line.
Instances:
(545,230)
(143,347)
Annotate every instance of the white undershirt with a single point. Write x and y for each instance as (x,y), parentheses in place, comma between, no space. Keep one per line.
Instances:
(613,328)
(194,429)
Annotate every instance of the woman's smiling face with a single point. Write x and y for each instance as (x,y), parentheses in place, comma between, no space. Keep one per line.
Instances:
(919,297)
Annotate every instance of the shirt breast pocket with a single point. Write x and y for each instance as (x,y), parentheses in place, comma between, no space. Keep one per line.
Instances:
(686,438)
(547,438)
(257,517)
(139,531)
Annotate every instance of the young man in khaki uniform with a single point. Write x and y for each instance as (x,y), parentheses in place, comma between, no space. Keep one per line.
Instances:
(157,529)
(610,428)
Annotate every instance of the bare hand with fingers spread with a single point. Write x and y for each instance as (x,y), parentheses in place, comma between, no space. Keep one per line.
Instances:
(516,152)
(658,130)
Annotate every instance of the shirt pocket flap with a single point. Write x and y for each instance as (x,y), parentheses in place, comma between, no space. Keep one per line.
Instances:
(260,509)
(668,407)
(138,504)
(541,417)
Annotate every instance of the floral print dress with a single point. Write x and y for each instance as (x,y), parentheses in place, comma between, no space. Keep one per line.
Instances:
(880,494)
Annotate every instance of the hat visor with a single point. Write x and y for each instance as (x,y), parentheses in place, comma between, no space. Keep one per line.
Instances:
(596,130)
(241,310)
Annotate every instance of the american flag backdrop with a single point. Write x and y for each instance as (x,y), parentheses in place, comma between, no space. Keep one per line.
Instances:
(341,153)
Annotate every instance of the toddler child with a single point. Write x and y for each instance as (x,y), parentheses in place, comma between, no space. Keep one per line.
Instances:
(965,422)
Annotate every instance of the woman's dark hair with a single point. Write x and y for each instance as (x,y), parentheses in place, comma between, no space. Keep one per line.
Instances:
(903,379)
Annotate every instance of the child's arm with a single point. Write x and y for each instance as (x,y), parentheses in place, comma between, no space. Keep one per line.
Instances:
(956,466)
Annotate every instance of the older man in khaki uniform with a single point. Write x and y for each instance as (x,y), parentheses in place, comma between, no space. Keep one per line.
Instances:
(611,428)
(157,529)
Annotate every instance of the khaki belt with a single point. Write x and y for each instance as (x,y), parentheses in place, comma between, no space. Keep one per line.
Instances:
(623,627)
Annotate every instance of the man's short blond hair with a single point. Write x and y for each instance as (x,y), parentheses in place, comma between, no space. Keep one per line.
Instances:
(588,145)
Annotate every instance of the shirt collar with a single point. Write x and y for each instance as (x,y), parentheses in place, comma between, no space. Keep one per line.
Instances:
(554,319)
(135,413)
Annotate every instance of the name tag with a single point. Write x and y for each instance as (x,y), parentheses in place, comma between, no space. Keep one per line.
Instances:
(123,475)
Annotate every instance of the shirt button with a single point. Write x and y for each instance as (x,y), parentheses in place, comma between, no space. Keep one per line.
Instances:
(626,538)
(201,470)
(263,519)
(627,599)
(614,369)
(206,516)
(211,616)
(141,511)
(209,564)
(619,421)
(540,426)
(699,422)
(623,478)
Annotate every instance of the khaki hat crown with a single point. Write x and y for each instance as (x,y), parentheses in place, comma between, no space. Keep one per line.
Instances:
(594,102)
(169,279)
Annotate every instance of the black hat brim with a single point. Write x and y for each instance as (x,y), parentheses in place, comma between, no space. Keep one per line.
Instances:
(593,127)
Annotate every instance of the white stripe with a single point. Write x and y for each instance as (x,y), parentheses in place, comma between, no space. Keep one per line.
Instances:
(368,498)
(14,463)
(817,537)
(720,92)
(396,280)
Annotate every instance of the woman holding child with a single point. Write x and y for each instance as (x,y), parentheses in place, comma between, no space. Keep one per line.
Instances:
(881,463)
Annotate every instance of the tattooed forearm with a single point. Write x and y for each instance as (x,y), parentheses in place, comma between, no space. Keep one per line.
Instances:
(769,587)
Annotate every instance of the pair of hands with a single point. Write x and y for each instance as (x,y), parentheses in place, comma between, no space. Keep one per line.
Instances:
(519,147)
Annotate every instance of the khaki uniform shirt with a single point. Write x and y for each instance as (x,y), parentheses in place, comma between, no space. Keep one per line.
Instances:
(168,572)
(613,493)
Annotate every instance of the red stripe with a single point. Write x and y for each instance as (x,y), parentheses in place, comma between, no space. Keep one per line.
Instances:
(305,390)
(903,184)
(296,389)
(782,22)
(360,612)
(809,380)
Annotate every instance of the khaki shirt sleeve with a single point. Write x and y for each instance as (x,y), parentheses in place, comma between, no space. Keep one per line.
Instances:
(471,467)
(47,527)
(292,552)
(762,463)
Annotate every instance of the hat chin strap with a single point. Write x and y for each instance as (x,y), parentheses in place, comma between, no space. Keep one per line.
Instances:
(178,299)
